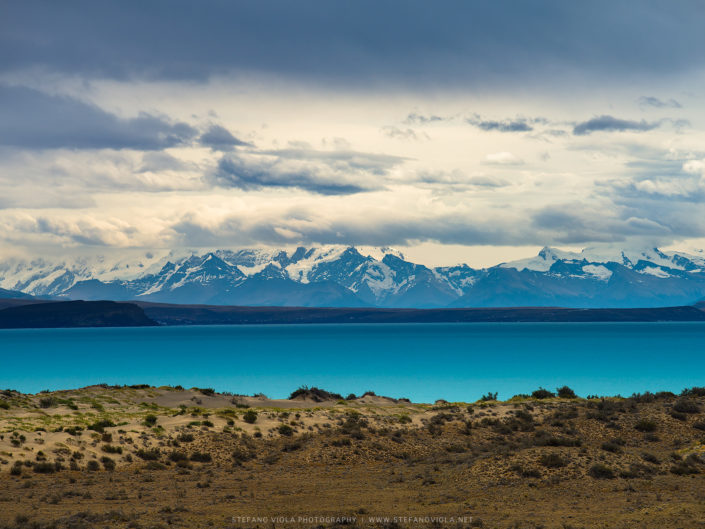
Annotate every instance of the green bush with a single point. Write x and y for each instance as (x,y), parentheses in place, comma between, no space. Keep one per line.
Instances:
(250,417)
(93,465)
(111,449)
(4,405)
(150,420)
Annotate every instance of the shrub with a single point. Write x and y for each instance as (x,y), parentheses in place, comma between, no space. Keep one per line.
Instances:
(614,446)
(686,406)
(73,430)
(241,454)
(99,426)
(154,465)
(317,394)
(4,405)
(693,392)
(209,392)
(650,458)
(404,419)
(530,473)
(111,449)
(600,471)
(177,456)
(285,430)
(48,402)
(93,465)
(552,460)
(201,457)
(16,469)
(565,392)
(542,393)
(250,417)
(150,420)
(683,469)
(185,438)
(148,455)
(646,425)
(108,464)
(489,397)
(700,425)
(44,467)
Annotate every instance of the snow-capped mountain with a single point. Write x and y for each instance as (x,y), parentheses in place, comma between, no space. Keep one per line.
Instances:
(355,277)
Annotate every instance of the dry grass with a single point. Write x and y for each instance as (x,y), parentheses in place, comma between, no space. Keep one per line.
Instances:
(548,463)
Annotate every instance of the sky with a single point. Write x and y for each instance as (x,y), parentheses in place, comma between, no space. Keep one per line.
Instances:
(454,131)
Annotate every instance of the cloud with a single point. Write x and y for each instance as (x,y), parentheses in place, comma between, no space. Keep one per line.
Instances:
(509,125)
(419,119)
(219,138)
(404,134)
(31,119)
(607,123)
(503,158)
(477,43)
(578,223)
(655,102)
(321,172)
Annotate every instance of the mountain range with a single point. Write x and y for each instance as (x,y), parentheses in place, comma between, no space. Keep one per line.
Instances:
(340,276)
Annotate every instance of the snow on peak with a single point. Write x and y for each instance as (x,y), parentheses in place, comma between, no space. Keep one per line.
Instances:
(542,262)
(598,271)
(378,252)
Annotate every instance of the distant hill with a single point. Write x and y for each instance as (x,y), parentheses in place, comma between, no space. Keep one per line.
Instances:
(74,314)
(13,294)
(209,315)
(340,276)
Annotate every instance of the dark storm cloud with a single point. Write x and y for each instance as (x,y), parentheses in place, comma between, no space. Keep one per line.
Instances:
(482,42)
(219,138)
(321,172)
(34,120)
(611,124)
(651,101)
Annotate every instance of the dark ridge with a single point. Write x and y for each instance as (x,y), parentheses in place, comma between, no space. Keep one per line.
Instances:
(222,315)
(74,314)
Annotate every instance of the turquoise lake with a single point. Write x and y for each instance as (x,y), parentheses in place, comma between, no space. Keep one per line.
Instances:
(423,362)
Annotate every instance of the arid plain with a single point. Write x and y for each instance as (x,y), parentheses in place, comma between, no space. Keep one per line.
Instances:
(145,457)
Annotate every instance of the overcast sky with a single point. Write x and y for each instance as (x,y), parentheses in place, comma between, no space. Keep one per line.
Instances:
(454,131)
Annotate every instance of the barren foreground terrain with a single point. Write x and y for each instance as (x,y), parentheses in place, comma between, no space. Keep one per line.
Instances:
(144,457)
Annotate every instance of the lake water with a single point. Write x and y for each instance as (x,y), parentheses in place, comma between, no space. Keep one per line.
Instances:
(424,362)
